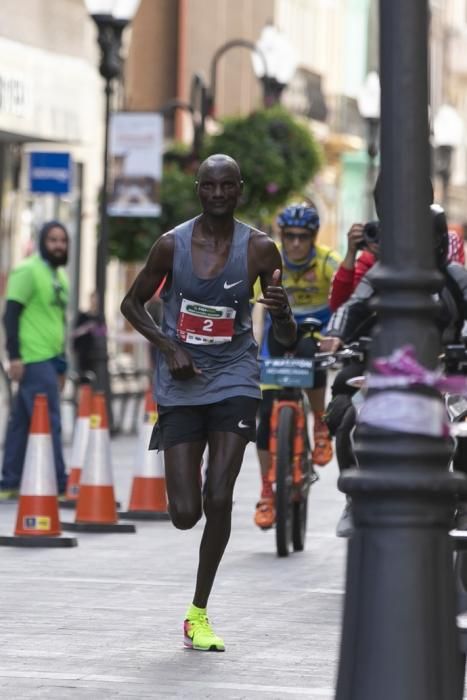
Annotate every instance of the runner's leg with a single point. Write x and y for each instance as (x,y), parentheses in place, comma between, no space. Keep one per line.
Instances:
(225,459)
(182,476)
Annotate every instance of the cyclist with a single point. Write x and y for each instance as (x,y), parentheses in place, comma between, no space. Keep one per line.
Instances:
(308,269)
(207,372)
(356,318)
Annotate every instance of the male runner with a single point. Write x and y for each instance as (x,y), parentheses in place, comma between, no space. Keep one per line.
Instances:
(206,380)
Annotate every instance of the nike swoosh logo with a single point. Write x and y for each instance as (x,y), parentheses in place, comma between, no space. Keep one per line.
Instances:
(241,424)
(234,284)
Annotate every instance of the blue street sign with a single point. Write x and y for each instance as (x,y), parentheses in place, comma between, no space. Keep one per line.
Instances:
(50,172)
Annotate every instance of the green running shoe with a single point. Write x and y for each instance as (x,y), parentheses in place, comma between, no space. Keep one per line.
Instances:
(198,634)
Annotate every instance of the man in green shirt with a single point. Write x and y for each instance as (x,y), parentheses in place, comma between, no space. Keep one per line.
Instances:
(35,322)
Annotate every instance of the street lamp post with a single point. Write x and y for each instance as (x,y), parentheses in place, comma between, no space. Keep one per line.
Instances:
(369,101)
(447,135)
(197,108)
(399,636)
(111,17)
(277,66)
(210,98)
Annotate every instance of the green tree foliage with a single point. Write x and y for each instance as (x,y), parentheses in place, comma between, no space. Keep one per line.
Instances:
(277,155)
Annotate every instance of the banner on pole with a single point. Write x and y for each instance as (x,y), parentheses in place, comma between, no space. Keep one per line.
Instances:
(135,164)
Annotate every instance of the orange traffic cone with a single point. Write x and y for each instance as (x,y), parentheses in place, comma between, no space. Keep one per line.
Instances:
(37,522)
(148,499)
(78,448)
(96,509)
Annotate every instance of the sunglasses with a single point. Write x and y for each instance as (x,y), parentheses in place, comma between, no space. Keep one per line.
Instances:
(300,237)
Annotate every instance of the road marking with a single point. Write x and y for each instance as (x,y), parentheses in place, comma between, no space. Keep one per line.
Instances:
(136,582)
(170,684)
(324,591)
(82,579)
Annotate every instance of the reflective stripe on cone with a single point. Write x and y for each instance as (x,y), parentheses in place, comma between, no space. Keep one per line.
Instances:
(80,443)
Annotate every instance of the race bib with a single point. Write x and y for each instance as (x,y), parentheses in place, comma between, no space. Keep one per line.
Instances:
(201,324)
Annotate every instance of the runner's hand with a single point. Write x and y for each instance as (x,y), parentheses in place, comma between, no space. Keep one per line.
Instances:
(16,370)
(274,297)
(180,363)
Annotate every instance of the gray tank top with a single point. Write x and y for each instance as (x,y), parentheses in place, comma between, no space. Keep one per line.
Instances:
(211,319)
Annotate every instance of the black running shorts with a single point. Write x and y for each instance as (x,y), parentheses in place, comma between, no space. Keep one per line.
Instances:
(179,424)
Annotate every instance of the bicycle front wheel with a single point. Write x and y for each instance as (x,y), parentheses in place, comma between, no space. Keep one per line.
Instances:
(284,503)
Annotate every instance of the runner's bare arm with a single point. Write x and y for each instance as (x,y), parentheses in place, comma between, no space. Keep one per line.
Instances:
(268,263)
(158,265)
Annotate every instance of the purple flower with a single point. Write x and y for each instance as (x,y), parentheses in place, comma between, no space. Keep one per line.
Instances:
(272,187)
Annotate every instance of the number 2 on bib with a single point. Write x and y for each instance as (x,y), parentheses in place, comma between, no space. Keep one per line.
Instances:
(201,324)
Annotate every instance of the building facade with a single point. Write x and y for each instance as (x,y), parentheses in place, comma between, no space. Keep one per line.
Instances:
(50,100)
(449,87)
(173,41)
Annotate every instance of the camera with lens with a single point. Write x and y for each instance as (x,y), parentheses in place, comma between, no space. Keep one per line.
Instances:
(370,234)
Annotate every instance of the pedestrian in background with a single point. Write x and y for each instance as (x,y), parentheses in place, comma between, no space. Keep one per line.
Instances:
(88,328)
(35,322)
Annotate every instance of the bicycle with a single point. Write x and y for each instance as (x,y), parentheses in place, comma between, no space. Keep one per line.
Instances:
(291,470)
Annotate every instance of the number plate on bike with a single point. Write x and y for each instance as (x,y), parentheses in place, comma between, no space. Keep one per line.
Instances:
(288,371)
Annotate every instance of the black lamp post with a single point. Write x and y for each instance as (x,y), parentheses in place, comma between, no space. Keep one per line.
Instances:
(399,638)
(447,136)
(111,18)
(274,64)
(197,107)
(369,101)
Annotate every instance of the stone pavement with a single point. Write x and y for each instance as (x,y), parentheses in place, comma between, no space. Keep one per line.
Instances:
(103,620)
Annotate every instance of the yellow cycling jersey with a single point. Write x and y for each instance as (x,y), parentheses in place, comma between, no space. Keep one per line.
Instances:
(308,289)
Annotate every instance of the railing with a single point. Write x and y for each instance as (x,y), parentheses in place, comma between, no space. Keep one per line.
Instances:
(128,388)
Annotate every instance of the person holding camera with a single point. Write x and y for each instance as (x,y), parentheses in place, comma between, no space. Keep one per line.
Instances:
(361,238)
(356,318)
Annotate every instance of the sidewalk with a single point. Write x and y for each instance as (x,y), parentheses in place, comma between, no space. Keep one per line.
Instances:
(103,620)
